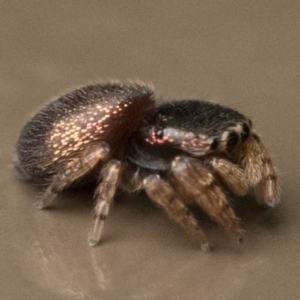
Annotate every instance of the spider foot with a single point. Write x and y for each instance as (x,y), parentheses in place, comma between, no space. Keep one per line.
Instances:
(46,201)
(93,242)
(206,247)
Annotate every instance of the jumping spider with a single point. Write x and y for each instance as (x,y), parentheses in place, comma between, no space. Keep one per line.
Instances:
(181,152)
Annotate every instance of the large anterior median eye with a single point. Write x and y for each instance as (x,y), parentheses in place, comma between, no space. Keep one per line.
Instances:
(159,134)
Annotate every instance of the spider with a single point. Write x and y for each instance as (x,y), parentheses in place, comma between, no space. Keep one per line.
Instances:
(181,153)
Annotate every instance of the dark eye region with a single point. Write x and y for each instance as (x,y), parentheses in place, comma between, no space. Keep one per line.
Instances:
(197,116)
(196,127)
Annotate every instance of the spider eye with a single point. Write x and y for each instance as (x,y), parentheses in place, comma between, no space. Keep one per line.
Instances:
(159,134)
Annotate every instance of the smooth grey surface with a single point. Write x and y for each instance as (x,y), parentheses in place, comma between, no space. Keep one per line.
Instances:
(240,53)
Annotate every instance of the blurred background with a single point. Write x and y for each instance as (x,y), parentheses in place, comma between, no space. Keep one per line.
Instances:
(244,54)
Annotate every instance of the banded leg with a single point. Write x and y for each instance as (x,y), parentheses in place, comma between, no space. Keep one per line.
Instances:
(104,197)
(260,171)
(230,174)
(164,195)
(75,169)
(199,185)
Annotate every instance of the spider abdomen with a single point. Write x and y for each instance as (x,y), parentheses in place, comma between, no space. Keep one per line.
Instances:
(66,127)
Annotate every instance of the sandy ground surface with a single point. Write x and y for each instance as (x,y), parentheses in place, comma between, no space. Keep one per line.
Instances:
(245,54)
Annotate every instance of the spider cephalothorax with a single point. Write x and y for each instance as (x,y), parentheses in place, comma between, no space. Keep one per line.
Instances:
(181,153)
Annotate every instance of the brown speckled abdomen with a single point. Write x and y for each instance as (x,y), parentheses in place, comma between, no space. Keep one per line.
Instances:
(107,113)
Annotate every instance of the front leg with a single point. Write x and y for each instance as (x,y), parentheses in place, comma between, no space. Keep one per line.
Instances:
(74,170)
(260,171)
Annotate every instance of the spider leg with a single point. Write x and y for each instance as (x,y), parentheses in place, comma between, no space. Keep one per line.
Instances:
(104,195)
(260,171)
(131,178)
(163,194)
(75,169)
(198,184)
(230,174)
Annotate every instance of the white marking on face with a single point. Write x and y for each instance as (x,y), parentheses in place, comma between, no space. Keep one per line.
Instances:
(224,136)
(238,128)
